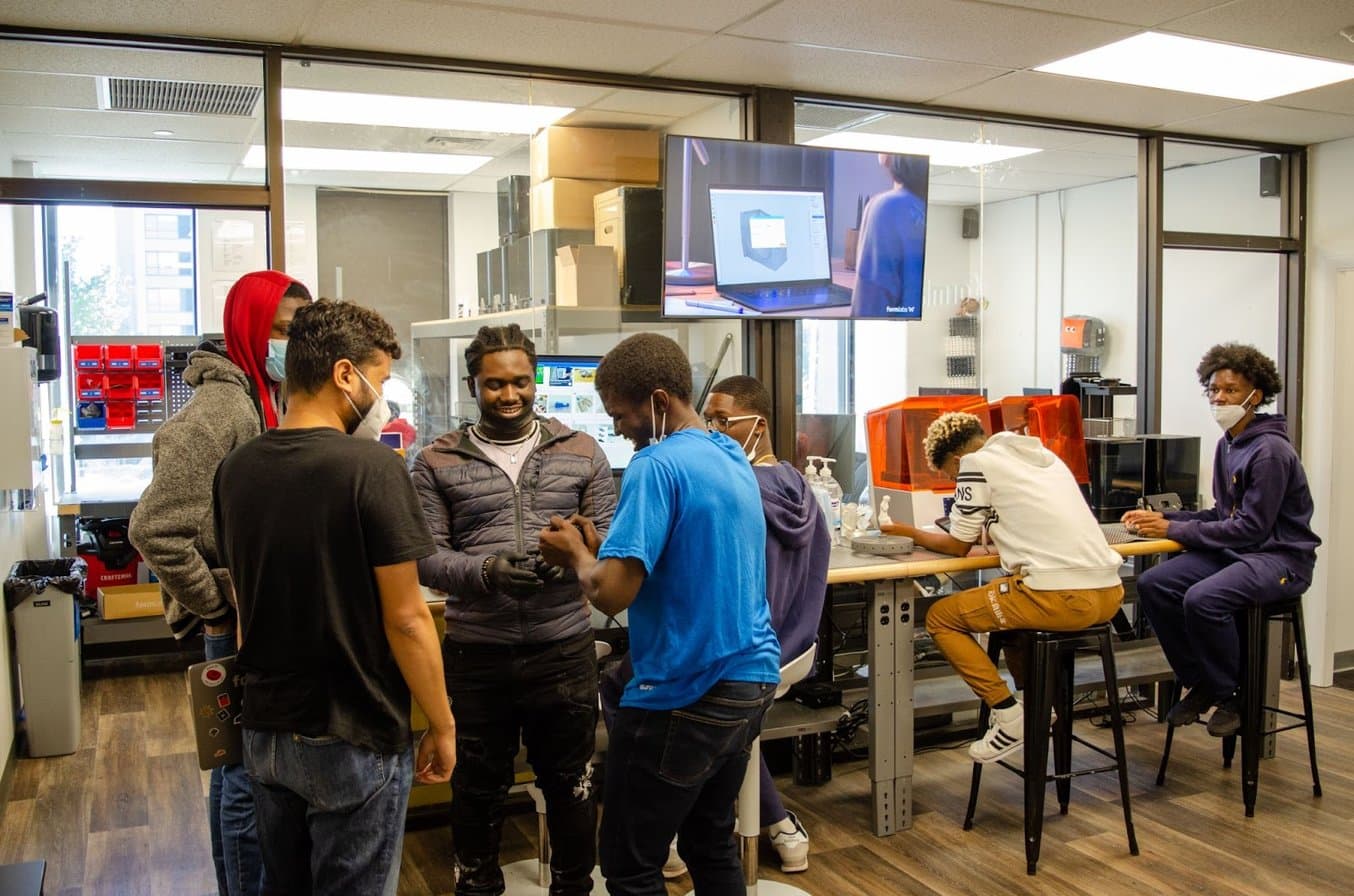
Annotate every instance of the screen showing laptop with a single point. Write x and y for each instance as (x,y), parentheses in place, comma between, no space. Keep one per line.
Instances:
(769,236)
(566,390)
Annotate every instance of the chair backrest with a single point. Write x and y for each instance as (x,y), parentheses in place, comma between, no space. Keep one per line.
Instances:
(796,670)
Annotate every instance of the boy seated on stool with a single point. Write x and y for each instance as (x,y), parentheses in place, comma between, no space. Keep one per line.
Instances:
(1064,576)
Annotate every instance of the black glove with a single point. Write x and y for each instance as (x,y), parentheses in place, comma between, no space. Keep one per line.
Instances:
(509,572)
(547,571)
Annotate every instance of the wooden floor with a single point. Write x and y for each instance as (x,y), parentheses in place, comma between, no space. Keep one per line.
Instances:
(125,816)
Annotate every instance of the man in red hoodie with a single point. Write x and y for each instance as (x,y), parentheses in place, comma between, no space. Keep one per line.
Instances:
(235,398)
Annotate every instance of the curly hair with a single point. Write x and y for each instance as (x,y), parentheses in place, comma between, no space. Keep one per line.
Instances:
(947,434)
(1243,360)
(497,339)
(326,332)
(747,393)
(642,363)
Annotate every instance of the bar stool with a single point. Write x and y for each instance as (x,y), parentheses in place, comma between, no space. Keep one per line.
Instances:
(1253,706)
(1050,660)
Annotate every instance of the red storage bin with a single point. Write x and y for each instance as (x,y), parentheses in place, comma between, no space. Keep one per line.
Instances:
(119,357)
(121,415)
(150,386)
(88,357)
(120,387)
(149,357)
(90,386)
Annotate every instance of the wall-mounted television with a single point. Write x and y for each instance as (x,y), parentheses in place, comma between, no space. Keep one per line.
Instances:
(769,230)
(566,390)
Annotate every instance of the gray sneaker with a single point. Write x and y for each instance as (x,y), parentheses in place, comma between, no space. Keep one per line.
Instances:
(1188,710)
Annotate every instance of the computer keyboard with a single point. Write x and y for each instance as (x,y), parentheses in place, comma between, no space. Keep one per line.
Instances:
(1117,533)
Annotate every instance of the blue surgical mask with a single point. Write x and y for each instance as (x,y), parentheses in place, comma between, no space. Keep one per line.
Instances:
(276,364)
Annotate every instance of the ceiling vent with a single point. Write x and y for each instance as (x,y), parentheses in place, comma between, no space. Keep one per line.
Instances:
(179,97)
(831,118)
(458,143)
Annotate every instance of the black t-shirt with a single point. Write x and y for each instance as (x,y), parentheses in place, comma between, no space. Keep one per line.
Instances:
(302,516)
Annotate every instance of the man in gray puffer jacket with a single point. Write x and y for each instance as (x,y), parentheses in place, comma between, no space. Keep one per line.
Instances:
(518,652)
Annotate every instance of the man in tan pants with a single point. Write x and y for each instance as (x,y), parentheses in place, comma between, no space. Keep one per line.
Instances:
(1064,575)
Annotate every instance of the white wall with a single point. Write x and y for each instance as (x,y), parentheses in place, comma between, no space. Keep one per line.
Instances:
(302,237)
(1328,398)
(474,229)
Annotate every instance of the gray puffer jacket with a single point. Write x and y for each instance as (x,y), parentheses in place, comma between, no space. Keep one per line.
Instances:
(172,523)
(474,511)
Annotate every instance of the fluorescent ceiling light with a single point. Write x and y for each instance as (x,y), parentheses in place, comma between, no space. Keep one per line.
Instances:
(313,158)
(946,153)
(339,107)
(1186,64)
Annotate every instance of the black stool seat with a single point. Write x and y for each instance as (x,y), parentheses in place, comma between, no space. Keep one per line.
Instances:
(1255,651)
(1049,663)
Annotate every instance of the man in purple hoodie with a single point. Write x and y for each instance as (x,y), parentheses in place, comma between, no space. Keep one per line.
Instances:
(1254,546)
(797,548)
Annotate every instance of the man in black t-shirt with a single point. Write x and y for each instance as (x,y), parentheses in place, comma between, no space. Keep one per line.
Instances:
(321,532)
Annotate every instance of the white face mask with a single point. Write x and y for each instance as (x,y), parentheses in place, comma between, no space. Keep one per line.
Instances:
(662,429)
(276,363)
(376,417)
(1229,415)
(751,440)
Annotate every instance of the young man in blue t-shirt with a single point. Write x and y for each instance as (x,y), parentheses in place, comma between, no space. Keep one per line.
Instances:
(686,556)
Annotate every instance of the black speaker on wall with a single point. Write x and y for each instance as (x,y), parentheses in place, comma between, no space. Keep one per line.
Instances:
(969,228)
(1269,175)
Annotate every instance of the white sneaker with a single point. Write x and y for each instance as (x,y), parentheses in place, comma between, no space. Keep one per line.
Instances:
(674,866)
(1005,735)
(791,843)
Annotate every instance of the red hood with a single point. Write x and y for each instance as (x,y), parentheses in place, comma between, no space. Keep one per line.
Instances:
(251,306)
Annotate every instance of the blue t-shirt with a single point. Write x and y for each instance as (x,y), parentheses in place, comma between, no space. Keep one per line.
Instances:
(691,511)
(891,257)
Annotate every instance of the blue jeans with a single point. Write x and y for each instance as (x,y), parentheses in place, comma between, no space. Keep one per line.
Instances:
(230,811)
(1192,601)
(677,772)
(330,814)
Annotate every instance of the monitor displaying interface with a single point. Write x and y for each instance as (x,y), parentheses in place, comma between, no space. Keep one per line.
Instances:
(565,390)
(754,229)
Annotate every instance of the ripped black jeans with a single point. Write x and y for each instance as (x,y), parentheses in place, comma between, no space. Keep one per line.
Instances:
(545,697)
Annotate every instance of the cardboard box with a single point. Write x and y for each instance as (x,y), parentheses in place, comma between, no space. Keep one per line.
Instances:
(594,154)
(130,601)
(586,276)
(564,203)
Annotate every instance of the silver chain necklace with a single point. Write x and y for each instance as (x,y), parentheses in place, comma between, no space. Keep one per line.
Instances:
(507,445)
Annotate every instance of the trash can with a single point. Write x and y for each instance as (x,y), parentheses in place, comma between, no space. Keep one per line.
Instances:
(42,599)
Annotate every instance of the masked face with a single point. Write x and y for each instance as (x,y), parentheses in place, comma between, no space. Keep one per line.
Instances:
(371,421)
(722,414)
(276,363)
(1229,415)
(1231,397)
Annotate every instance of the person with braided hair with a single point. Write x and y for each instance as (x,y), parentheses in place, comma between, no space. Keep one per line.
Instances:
(518,652)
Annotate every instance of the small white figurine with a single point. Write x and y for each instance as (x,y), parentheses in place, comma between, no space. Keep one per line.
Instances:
(884,518)
(849,512)
(863,519)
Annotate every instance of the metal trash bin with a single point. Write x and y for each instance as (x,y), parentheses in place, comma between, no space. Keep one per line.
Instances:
(42,599)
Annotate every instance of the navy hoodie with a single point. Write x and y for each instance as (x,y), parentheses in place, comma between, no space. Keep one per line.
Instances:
(797,548)
(1261,500)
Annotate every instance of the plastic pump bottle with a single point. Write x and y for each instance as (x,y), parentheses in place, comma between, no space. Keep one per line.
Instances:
(834,492)
(820,494)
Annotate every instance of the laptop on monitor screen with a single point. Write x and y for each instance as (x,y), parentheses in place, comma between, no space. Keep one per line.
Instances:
(771,249)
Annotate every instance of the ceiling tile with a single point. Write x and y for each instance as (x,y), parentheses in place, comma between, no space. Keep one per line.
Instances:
(696,15)
(416,82)
(1139,12)
(48,91)
(957,30)
(1262,121)
(947,194)
(742,61)
(1080,99)
(477,32)
(1337,98)
(1311,27)
(262,20)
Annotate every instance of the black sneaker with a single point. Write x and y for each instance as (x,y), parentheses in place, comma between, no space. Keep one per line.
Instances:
(1226,719)
(1187,711)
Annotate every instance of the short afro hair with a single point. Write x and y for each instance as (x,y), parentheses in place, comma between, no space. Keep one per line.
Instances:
(747,392)
(947,434)
(1243,360)
(326,332)
(642,363)
(497,339)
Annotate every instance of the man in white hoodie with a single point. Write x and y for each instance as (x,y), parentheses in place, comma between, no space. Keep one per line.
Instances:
(1064,576)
